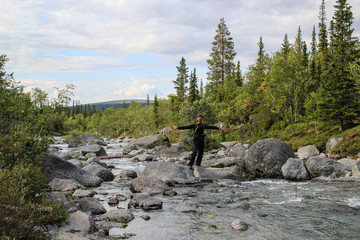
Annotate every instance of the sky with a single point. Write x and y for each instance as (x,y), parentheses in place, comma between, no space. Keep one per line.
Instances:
(126,49)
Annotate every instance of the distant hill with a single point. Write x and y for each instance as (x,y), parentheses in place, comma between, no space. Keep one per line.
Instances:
(117,103)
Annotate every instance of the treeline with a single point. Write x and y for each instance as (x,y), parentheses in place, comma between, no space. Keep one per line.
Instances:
(296,84)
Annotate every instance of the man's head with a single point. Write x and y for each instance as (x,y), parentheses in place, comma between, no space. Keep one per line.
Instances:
(199,118)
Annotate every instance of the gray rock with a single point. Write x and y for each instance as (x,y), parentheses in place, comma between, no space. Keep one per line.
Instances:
(147,142)
(83,193)
(239,225)
(118,215)
(128,174)
(93,149)
(150,185)
(347,162)
(64,184)
(174,151)
(146,202)
(169,172)
(80,221)
(144,157)
(56,197)
(265,158)
(55,167)
(206,174)
(228,144)
(91,205)
(356,169)
(99,171)
(94,160)
(294,169)
(85,139)
(76,162)
(221,163)
(325,167)
(70,206)
(185,155)
(330,144)
(238,151)
(113,201)
(307,151)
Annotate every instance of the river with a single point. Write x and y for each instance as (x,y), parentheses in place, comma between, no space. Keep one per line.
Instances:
(279,209)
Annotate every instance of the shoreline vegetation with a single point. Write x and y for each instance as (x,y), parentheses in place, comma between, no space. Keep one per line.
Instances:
(300,96)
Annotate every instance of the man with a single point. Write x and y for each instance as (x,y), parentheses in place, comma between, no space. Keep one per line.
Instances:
(198,143)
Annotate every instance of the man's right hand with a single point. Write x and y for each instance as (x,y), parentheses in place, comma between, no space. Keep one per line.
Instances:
(174,127)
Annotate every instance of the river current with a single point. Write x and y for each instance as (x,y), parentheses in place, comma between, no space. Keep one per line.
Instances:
(279,209)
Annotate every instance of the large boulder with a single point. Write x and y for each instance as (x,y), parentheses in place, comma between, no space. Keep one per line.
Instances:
(85,139)
(55,167)
(174,151)
(93,148)
(145,201)
(265,158)
(294,169)
(147,142)
(91,205)
(307,151)
(169,172)
(221,162)
(80,221)
(150,185)
(325,167)
(238,150)
(212,175)
(98,170)
(356,169)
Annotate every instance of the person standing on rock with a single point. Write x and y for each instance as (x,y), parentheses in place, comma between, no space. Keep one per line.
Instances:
(198,143)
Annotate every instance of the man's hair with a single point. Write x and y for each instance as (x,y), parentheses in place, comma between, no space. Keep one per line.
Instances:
(199,115)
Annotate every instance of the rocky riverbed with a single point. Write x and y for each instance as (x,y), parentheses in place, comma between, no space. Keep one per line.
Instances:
(155,196)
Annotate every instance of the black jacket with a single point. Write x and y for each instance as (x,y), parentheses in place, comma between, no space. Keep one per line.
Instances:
(198,129)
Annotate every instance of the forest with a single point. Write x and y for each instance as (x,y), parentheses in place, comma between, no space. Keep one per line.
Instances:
(301,94)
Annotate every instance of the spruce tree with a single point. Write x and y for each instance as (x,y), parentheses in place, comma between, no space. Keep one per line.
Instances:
(193,87)
(285,46)
(156,111)
(338,101)
(181,80)
(221,57)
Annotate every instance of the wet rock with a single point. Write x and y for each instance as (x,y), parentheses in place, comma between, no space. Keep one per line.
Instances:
(203,173)
(144,157)
(170,193)
(294,169)
(146,202)
(118,215)
(55,167)
(169,172)
(147,142)
(245,206)
(64,184)
(321,166)
(121,197)
(93,149)
(174,151)
(91,205)
(80,221)
(85,139)
(239,225)
(94,160)
(265,158)
(99,171)
(307,151)
(113,201)
(150,185)
(145,217)
(128,174)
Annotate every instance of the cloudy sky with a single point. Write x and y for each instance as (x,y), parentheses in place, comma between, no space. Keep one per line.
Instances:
(126,49)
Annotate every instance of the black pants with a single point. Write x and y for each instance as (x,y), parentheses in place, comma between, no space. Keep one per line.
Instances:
(197,150)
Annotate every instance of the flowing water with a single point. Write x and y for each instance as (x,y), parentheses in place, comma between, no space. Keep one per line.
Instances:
(279,209)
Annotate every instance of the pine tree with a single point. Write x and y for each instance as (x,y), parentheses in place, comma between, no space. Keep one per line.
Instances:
(338,101)
(147,100)
(238,78)
(156,111)
(314,74)
(193,87)
(298,42)
(285,46)
(221,57)
(181,80)
(201,88)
